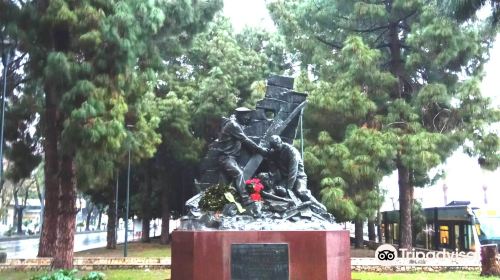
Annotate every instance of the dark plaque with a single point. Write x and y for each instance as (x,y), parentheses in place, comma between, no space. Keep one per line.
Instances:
(259,261)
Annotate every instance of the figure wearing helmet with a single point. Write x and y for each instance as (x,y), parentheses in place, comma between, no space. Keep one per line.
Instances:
(230,141)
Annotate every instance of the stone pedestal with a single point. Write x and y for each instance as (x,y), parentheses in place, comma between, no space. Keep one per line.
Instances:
(199,255)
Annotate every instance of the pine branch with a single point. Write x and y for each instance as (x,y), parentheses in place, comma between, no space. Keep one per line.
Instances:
(407,16)
(396,123)
(380,35)
(434,119)
(331,44)
(404,26)
(372,29)
(383,45)
(22,81)
(18,60)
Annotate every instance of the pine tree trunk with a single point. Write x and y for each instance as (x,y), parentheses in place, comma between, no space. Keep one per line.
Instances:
(490,266)
(111,226)
(371,230)
(146,207)
(400,92)
(87,220)
(145,230)
(405,200)
(16,211)
(63,257)
(42,201)
(358,234)
(99,218)
(48,235)
(379,226)
(165,218)
(20,210)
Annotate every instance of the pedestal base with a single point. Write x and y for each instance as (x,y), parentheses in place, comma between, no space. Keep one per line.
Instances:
(314,255)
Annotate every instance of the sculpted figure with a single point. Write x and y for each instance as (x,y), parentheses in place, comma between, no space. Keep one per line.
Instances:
(284,201)
(291,168)
(231,139)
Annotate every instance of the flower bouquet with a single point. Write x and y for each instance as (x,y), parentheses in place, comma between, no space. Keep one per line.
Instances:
(254,187)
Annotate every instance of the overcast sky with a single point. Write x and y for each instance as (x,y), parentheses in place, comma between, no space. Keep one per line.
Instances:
(465,180)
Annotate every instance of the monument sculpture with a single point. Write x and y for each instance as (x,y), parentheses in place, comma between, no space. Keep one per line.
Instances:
(254,154)
(254,216)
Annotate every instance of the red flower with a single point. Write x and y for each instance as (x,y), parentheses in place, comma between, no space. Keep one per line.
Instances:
(256,197)
(258,187)
(254,186)
(252,181)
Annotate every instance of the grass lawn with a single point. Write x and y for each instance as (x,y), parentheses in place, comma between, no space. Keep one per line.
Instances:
(459,275)
(154,249)
(136,274)
(123,274)
(134,249)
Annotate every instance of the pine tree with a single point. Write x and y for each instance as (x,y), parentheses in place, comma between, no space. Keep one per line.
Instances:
(216,74)
(346,154)
(434,104)
(94,62)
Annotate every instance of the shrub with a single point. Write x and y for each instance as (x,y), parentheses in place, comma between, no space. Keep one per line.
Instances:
(68,275)
(10,231)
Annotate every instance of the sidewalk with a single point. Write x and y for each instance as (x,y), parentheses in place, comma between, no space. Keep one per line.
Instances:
(36,236)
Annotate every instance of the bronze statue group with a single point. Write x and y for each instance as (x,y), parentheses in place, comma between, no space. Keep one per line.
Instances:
(253,154)
(288,181)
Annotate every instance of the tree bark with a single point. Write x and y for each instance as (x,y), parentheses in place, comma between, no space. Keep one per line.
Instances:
(400,92)
(145,230)
(396,65)
(371,230)
(23,207)
(16,211)
(89,215)
(358,234)
(48,235)
(99,218)
(146,207)
(42,201)
(165,217)
(489,264)
(63,257)
(111,226)
(405,200)
(379,226)
(20,210)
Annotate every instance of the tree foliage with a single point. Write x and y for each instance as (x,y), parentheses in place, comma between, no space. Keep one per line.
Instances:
(400,68)
(464,10)
(216,74)
(95,64)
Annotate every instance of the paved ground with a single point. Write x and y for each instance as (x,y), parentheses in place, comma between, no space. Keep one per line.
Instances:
(28,248)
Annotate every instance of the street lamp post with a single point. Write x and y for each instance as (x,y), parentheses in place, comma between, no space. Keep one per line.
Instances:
(127,201)
(117,224)
(6,53)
